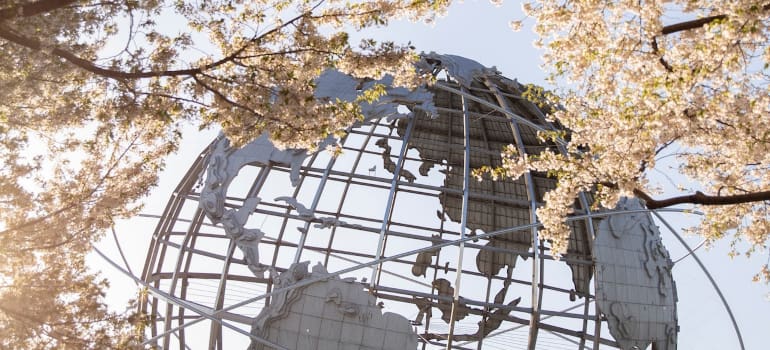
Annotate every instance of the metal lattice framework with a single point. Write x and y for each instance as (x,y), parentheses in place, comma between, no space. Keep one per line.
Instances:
(460,258)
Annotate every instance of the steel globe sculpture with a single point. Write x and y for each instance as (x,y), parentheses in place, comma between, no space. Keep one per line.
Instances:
(391,244)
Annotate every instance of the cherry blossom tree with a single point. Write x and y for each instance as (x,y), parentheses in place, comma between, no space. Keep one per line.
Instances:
(645,79)
(93,95)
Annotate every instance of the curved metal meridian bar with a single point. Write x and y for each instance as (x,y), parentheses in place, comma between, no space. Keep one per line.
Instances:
(391,198)
(313,206)
(185,304)
(537,290)
(463,220)
(708,274)
(131,273)
(172,209)
(591,236)
(215,331)
(157,251)
(582,198)
(120,251)
(188,237)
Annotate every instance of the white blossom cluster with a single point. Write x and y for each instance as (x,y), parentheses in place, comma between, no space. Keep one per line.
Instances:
(93,95)
(647,78)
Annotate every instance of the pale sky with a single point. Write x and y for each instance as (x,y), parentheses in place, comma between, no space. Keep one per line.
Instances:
(475,29)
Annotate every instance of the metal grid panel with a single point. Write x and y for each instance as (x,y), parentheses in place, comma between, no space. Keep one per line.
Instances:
(194,260)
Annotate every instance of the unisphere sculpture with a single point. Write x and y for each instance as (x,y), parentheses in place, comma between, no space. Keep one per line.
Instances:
(407,249)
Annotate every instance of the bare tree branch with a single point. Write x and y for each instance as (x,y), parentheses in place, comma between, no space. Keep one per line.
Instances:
(684,26)
(9,34)
(703,199)
(34,44)
(689,25)
(696,23)
(33,9)
(662,60)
